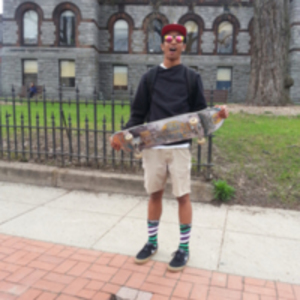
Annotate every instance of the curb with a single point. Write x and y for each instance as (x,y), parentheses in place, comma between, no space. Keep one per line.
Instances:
(90,180)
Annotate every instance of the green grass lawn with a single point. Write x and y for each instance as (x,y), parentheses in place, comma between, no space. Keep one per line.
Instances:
(85,111)
(264,150)
(258,154)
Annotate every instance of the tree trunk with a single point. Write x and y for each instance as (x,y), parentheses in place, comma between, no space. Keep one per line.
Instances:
(269,80)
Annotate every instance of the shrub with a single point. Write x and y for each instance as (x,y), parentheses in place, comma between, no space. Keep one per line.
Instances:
(223,191)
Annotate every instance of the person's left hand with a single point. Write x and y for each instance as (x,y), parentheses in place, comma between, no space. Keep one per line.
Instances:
(223,113)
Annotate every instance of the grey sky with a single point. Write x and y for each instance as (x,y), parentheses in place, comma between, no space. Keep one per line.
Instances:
(1,8)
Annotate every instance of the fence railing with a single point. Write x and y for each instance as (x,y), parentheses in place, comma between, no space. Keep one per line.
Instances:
(75,132)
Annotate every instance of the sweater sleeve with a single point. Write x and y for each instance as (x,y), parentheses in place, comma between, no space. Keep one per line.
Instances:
(140,105)
(199,100)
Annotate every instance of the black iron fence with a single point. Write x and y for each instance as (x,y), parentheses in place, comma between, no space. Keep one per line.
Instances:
(70,132)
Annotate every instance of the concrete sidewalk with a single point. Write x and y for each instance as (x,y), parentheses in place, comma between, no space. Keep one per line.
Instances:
(254,242)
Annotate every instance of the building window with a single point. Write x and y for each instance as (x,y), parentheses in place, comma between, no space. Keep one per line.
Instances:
(67,73)
(225,38)
(30,72)
(121,34)
(120,77)
(224,78)
(154,36)
(192,37)
(30,27)
(67,24)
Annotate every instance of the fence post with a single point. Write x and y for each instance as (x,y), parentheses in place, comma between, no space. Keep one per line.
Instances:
(87,138)
(95,128)
(104,140)
(29,125)
(131,101)
(14,120)
(61,127)
(45,122)
(38,136)
(7,134)
(1,137)
(53,135)
(209,155)
(22,137)
(78,123)
(113,123)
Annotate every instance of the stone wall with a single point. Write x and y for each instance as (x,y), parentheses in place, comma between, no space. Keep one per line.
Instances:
(48,68)
(94,63)
(207,64)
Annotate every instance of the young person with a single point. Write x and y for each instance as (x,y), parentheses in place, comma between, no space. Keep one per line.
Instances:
(165,92)
(32,90)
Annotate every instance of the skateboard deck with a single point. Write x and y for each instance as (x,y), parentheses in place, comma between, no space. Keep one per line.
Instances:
(169,130)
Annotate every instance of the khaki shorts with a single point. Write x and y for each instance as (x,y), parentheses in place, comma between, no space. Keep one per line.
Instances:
(157,163)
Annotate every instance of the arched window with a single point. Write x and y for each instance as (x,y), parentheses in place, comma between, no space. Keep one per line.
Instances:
(154,36)
(67,28)
(225,38)
(192,41)
(30,27)
(121,36)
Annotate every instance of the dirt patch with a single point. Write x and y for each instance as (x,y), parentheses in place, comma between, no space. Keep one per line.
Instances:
(293,110)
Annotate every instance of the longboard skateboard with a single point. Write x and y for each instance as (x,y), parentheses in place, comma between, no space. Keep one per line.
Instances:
(182,127)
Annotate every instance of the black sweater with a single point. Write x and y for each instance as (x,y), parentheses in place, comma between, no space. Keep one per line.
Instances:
(170,97)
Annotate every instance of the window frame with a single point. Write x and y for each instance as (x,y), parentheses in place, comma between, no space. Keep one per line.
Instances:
(145,27)
(110,26)
(58,11)
(120,87)
(23,71)
(236,28)
(199,21)
(23,28)
(19,17)
(60,69)
(231,77)
(113,37)
(147,42)
(232,39)
(59,29)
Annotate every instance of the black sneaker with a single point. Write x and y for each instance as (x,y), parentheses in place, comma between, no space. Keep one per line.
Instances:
(146,253)
(179,261)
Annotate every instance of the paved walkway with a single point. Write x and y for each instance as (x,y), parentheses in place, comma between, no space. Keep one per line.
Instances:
(58,244)
(39,270)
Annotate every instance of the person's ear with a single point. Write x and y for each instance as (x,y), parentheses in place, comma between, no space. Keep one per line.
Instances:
(162,46)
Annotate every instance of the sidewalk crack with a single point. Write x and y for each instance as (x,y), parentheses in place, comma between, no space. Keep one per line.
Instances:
(223,237)
(34,208)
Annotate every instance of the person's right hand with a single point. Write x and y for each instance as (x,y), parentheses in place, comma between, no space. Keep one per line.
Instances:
(115,144)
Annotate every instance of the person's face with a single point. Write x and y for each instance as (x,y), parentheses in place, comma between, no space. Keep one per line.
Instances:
(172,48)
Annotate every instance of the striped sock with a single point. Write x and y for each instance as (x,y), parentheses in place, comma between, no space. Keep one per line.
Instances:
(185,232)
(152,232)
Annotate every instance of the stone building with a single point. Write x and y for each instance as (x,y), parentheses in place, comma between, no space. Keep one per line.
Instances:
(92,44)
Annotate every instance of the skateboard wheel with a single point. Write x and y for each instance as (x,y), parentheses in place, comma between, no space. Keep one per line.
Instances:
(128,137)
(201,141)
(138,155)
(193,121)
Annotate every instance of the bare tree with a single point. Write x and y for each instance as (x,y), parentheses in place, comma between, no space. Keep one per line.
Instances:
(269,80)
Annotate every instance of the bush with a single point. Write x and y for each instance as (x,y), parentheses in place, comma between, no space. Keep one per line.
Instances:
(223,191)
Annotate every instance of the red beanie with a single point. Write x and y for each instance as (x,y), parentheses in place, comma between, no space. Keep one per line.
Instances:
(173,27)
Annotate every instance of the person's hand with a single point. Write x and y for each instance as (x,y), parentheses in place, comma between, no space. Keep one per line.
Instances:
(115,144)
(223,113)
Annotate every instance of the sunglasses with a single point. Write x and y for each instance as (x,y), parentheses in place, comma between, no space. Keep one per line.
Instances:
(178,38)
